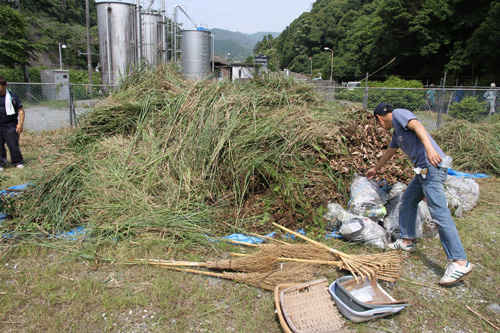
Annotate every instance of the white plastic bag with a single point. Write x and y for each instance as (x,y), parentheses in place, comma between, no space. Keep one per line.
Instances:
(334,209)
(362,229)
(367,199)
(465,190)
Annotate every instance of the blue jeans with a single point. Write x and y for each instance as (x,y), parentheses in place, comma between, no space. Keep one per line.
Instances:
(432,188)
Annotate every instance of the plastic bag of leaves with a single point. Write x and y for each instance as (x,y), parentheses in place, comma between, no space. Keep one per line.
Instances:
(461,194)
(362,229)
(367,199)
(332,223)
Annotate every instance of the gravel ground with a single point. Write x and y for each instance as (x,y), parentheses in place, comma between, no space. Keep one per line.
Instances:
(42,118)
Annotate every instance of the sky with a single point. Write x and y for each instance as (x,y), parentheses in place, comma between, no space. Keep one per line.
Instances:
(248,16)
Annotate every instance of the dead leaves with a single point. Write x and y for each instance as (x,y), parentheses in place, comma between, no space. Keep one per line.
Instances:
(366,143)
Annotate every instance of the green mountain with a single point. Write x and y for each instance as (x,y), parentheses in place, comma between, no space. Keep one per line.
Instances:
(237,44)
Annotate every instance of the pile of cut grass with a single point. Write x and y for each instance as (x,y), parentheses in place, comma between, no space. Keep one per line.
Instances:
(475,147)
(170,156)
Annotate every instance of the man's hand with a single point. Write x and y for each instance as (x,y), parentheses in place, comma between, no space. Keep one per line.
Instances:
(371,173)
(433,157)
(383,160)
(20,121)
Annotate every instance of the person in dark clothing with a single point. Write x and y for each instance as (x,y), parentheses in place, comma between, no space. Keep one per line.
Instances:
(11,125)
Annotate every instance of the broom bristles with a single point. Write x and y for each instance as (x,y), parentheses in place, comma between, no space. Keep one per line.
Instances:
(290,274)
(263,261)
(306,251)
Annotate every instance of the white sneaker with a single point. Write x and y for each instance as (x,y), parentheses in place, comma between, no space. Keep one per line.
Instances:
(20,166)
(455,273)
(1,168)
(399,245)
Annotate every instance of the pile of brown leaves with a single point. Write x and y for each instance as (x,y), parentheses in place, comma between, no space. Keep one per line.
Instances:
(366,142)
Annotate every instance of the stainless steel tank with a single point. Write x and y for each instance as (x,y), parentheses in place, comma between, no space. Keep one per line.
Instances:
(118,49)
(195,48)
(151,38)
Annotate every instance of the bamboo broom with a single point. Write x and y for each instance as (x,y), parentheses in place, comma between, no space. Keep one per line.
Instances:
(390,274)
(263,261)
(358,265)
(291,275)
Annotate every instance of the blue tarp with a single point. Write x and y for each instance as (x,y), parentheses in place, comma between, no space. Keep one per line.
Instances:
(256,240)
(455,173)
(74,234)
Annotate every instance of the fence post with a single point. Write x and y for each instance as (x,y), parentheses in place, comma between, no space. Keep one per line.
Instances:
(365,95)
(441,103)
(70,105)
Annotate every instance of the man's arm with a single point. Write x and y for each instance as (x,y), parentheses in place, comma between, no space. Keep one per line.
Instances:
(383,160)
(20,122)
(419,129)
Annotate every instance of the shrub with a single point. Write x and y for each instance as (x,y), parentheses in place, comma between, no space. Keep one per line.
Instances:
(468,109)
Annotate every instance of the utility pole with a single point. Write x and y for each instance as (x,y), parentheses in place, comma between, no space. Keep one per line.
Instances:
(331,69)
(89,57)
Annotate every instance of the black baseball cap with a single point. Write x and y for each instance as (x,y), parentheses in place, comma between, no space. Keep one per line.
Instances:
(382,109)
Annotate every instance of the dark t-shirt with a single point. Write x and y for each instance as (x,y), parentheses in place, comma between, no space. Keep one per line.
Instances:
(5,120)
(408,141)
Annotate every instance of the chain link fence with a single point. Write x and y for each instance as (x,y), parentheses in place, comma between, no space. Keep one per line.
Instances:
(52,106)
(432,105)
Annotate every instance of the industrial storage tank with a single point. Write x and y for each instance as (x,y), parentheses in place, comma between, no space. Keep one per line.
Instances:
(195,48)
(118,49)
(151,38)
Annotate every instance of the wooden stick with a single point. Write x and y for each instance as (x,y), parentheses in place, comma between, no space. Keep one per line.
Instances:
(270,238)
(404,301)
(237,242)
(311,261)
(308,239)
(486,320)
(254,234)
(187,270)
(176,263)
(422,284)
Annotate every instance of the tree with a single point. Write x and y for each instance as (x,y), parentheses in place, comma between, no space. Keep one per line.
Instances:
(428,37)
(15,49)
(482,47)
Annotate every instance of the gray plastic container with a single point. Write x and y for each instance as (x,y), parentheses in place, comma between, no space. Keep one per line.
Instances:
(357,311)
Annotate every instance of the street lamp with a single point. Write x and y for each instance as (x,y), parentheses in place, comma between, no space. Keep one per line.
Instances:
(61,46)
(331,69)
(227,55)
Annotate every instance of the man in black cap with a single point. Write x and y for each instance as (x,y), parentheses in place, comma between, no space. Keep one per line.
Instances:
(11,125)
(431,168)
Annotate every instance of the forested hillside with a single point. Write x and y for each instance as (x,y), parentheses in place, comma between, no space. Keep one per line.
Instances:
(427,37)
(41,25)
(237,44)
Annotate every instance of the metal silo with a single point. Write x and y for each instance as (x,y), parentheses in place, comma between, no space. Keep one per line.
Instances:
(151,38)
(195,48)
(118,38)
